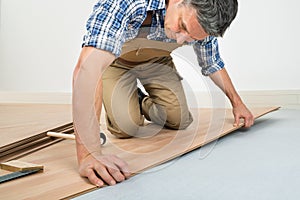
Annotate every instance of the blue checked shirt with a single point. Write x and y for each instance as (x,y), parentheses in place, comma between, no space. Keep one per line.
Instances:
(113,22)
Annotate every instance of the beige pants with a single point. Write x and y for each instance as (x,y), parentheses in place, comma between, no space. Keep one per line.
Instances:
(165,106)
(151,63)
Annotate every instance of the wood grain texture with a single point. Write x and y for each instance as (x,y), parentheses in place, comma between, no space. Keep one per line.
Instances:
(17,165)
(61,179)
(20,121)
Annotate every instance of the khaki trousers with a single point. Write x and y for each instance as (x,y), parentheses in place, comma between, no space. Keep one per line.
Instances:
(166,104)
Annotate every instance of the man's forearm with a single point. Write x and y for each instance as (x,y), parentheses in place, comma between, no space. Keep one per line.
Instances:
(240,110)
(223,81)
(87,99)
(82,151)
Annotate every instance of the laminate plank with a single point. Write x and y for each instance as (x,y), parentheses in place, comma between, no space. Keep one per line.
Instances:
(21,121)
(60,178)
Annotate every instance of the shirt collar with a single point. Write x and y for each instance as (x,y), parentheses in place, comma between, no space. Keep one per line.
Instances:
(156,5)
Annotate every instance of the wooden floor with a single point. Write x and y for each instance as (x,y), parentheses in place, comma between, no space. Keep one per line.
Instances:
(21,121)
(61,180)
(24,126)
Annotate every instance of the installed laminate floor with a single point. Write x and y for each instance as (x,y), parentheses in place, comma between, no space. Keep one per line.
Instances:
(260,163)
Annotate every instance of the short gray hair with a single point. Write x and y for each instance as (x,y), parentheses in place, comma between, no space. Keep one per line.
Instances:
(215,16)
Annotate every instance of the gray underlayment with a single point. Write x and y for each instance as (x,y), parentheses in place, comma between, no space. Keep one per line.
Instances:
(259,163)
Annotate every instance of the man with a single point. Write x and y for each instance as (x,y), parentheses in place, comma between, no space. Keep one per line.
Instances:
(115,53)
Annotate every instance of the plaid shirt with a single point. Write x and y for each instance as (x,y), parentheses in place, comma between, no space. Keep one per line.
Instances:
(113,22)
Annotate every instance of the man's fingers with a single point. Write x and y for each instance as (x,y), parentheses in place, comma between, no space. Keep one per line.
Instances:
(122,165)
(93,178)
(236,121)
(249,121)
(116,174)
(105,175)
(117,168)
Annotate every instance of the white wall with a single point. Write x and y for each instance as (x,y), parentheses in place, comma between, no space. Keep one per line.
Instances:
(261,48)
(40,42)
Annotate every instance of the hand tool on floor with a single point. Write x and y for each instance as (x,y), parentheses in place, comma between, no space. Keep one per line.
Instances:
(72,136)
(18,169)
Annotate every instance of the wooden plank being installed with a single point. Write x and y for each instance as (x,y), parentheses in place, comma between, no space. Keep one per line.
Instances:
(60,178)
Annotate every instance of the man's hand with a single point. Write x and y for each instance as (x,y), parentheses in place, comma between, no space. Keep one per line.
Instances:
(241,111)
(105,169)
(222,80)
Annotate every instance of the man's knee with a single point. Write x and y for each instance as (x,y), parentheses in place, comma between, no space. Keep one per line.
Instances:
(126,132)
(126,128)
(179,121)
(119,134)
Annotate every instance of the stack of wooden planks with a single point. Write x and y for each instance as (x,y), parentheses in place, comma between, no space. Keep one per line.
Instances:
(60,178)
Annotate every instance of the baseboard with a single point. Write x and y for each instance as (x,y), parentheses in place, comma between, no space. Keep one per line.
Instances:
(285,99)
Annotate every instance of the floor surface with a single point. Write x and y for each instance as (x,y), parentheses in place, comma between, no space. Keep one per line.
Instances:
(259,163)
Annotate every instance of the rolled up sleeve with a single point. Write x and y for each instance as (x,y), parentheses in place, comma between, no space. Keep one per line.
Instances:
(208,55)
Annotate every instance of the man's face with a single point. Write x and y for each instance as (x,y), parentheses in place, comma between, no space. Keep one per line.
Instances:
(181,23)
